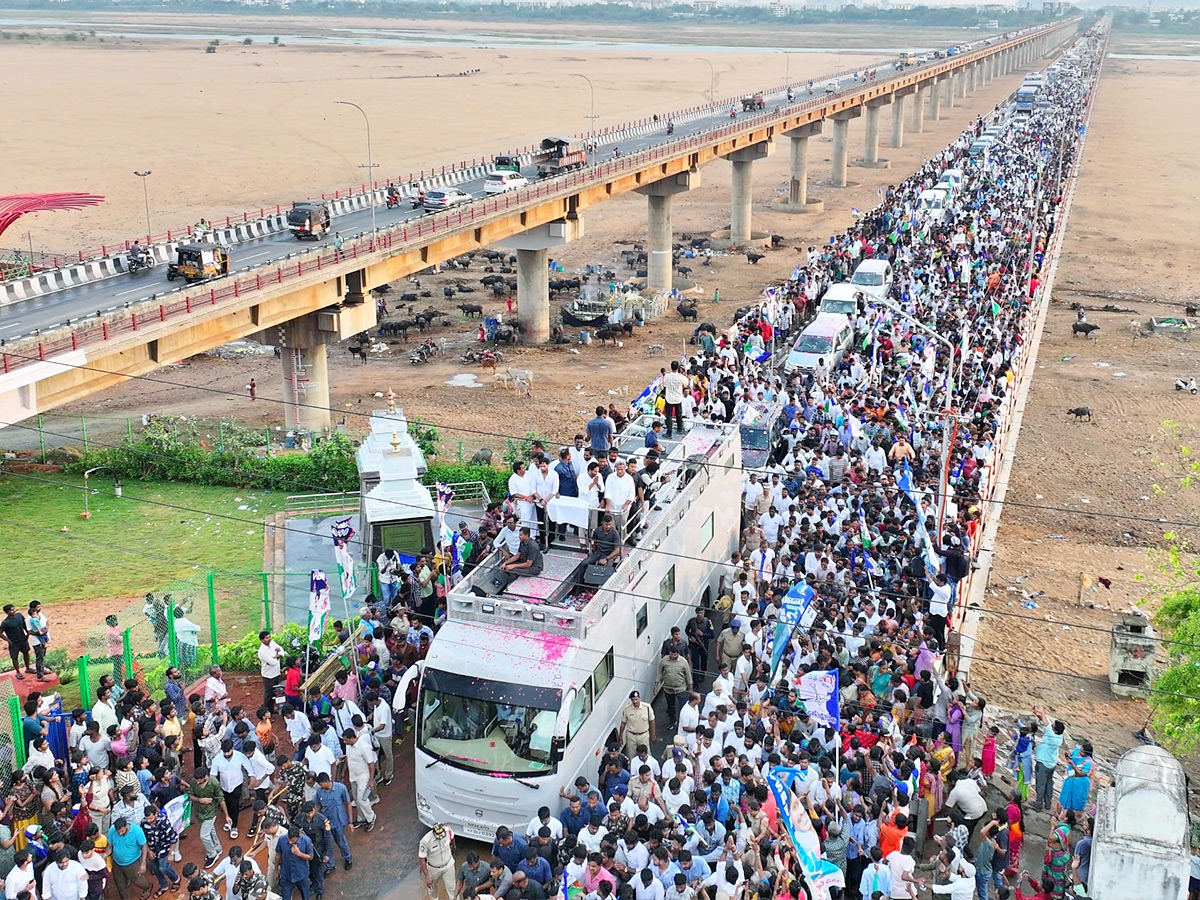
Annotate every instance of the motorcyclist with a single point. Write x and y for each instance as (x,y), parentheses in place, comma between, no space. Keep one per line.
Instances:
(733,112)
(616,152)
(393,194)
(810,86)
(137,255)
(670,127)
(791,95)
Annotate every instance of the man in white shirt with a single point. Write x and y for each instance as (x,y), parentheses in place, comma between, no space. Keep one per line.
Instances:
(21,877)
(64,879)
(543,819)
(215,690)
(382,725)
(360,769)
(751,493)
(298,728)
(962,881)
(318,758)
(762,565)
(543,483)
(619,489)
(230,867)
(269,656)
(675,383)
(770,522)
(689,718)
(231,768)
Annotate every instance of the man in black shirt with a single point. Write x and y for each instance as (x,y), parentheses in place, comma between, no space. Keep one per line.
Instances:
(528,561)
(16,634)
(606,543)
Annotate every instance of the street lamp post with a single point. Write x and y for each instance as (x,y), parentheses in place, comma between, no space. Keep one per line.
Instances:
(592,117)
(712,81)
(146,194)
(370,166)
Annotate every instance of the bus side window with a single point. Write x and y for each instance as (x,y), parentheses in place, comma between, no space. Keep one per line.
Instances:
(604,672)
(643,618)
(581,708)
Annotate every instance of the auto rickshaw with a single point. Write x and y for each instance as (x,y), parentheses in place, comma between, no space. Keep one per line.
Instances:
(198,262)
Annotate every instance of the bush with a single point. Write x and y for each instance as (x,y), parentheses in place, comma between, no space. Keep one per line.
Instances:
(493,479)
(166,455)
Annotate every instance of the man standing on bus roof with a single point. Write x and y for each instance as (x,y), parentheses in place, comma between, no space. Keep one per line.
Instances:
(637,723)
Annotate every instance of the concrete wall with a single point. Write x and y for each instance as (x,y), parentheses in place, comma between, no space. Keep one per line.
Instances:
(1140,847)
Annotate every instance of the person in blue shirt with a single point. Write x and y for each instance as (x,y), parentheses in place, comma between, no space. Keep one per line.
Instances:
(536,868)
(334,801)
(718,804)
(613,776)
(294,852)
(573,818)
(127,844)
(600,431)
(509,847)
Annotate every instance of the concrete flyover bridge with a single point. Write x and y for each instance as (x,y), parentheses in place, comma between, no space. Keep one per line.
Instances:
(87,337)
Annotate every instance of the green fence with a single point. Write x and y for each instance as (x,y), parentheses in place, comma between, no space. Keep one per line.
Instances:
(202,622)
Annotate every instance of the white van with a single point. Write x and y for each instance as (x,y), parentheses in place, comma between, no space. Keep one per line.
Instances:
(873,277)
(932,204)
(831,87)
(954,175)
(840,299)
(827,337)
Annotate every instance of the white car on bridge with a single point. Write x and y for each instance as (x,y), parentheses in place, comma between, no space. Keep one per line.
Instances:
(436,201)
(499,182)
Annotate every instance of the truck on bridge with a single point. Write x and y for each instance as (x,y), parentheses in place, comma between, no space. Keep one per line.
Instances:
(560,155)
(753,101)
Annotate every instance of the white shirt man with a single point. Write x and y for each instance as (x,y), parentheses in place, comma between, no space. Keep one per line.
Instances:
(230,870)
(752,492)
(269,656)
(319,759)
(619,489)
(770,522)
(21,878)
(298,727)
(590,487)
(689,718)
(64,880)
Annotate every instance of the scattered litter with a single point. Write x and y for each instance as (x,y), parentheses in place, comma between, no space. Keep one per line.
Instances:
(1030,605)
(1055,537)
(1037,496)
(1103,365)
(244,506)
(466,380)
(1118,374)
(1066,358)
(1084,500)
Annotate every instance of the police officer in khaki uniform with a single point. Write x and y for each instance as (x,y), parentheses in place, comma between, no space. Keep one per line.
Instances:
(435,855)
(637,724)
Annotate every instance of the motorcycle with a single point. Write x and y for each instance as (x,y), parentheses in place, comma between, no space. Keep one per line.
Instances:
(670,128)
(418,200)
(732,113)
(1186,384)
(616,153)
(791,95)
(135,263)
(393,200)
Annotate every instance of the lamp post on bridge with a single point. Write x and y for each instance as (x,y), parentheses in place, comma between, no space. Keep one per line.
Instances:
(712,80)
(592,117)
(146,194)
(370,166)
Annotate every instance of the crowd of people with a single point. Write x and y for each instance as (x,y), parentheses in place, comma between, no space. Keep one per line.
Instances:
(859,509)
(294,774)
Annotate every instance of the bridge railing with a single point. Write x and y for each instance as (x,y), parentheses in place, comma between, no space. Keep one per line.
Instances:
(263,212)
(324,262)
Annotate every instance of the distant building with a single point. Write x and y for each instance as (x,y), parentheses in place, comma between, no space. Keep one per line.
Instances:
(704,6)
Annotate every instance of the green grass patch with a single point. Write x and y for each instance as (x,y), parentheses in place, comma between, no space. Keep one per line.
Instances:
(157,537)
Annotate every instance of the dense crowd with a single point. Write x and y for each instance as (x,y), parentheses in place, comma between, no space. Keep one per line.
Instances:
(860,508)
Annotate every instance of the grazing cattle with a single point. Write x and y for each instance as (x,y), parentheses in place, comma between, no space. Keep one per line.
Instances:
(471,309)
(685,271)
(408,298)
(1080,413)
(753,258)
(687,312)
(448,292)
(506,335)
(482,457)
(1084,328)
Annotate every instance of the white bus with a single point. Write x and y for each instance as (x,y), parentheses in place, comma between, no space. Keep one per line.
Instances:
(521,688)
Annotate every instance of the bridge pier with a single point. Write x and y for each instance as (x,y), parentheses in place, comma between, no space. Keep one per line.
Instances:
(960,85)
(305,375)
(533,274)
(797,199)
(743,188)
(871,158)
(976,77)
(917,124)
(935,101)
(841,134)
(898,121)
(948,91)
(659,270)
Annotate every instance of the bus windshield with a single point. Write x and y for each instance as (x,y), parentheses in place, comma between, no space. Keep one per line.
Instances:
(487,726)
